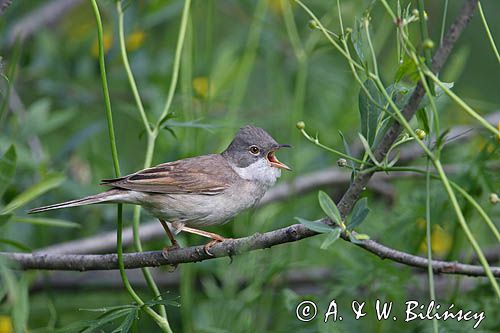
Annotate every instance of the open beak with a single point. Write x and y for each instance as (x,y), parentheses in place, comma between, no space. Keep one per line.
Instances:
(274,161)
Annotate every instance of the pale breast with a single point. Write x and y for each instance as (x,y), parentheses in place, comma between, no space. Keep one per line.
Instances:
(197,210)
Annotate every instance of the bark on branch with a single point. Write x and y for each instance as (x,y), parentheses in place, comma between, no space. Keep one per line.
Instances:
(84,262)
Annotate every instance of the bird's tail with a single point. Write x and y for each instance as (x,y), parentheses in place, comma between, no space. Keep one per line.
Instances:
(108,196)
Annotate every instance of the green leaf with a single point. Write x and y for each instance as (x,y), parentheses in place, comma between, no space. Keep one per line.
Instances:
(329,207)
(16,244)
(331,238)
(423,119)
(7,168)
(46,222)
(386,123)
(368,150)
(400,94)
(369,111)
(359,213)
(360,42)
(163,301)
(4,219)
(439,93)
(33,192)
(316,226)
(127,322)
(407,70)
(108,308)
(107,318)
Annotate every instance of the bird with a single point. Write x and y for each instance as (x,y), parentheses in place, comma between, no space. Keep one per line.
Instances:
(197,192)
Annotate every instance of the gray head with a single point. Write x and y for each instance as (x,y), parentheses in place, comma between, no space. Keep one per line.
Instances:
(252,144)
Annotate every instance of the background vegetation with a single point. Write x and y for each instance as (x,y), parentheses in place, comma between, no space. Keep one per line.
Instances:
(258,62)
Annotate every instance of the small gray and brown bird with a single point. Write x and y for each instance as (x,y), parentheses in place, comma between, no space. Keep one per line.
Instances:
(198,191)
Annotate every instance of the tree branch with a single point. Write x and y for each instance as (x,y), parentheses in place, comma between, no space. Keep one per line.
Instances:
(284,235)
(229,248)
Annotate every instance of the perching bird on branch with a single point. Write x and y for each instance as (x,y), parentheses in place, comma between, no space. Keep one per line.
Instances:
(199,191)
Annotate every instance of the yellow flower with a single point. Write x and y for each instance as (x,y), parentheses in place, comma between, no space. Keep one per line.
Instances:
(200,86)
(107,41)
(5,324)
(135,40)
(441,241)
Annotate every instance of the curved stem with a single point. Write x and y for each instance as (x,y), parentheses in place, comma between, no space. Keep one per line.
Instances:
(126,64)
(176,66)
(488,32)
(428,231)
(465,227)
(464,105)
(317,143)
(455,186)
(135,233)
(443,22)
(162,323)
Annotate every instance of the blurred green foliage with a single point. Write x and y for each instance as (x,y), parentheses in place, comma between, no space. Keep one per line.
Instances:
(239,66)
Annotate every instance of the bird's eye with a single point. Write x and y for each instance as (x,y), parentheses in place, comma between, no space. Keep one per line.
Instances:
(254,150)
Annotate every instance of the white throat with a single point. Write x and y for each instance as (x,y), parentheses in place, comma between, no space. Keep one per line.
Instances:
(260,171)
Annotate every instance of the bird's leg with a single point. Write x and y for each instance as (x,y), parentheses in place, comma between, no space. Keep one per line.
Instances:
(215,238)
(174,245)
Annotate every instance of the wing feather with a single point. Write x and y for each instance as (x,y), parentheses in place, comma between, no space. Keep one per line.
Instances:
(209,174)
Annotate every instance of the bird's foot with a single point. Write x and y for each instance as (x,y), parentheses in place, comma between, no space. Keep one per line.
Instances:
(170,248)
(214,241)
(165,251)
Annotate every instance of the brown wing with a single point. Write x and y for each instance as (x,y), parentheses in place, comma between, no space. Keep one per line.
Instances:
(209,174)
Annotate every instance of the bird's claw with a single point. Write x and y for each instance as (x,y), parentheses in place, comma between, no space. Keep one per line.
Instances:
(170,248)
(210,244)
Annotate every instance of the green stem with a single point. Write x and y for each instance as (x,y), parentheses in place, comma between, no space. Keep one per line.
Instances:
(301,55)
(465,227)
(430,272)
(352,63)
(137,242)
(425,36)
(162,323)
(327,35)
(105,92)
(455,186)
(247,61)
(126,64)
(464,105)
(11,76)
(443,22)
(449,190)
(176,66)
(389,10)
(372,50)
(488,32)
(136,236)
(317,143)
